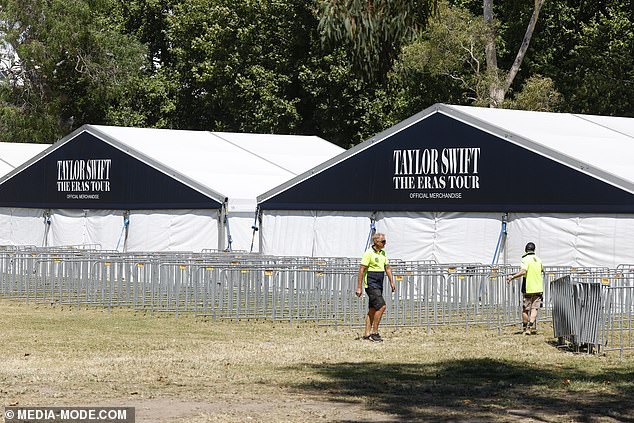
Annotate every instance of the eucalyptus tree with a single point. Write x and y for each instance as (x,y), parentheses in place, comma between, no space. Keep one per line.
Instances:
(457,45)
(373,30)
(500,82)
(71,67)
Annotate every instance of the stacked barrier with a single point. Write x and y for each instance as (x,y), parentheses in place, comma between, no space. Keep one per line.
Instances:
(222,285)
(593,310)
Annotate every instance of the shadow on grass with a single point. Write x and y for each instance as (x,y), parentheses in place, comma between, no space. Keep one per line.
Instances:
(475,390)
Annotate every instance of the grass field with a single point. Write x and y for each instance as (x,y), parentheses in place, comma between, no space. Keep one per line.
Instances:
(196,370)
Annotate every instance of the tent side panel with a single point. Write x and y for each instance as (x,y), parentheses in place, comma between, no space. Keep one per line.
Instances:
(106,228)
(68,227)
(342,234)
(240,227)
(409,234)
(467,237)
(21,226)
(287,233)
(598,240)
(555,237)
(173,230)
(95,228)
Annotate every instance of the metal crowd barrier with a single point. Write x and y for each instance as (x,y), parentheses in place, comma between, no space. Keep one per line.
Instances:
(594,310)
(236,285)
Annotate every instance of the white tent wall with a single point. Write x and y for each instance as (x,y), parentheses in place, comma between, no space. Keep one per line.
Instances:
(606,239)
(20,226)
(443,237)
(288,233)
(345,233)
(149,230)
(554,236)
(408,234)
(561,239)
(241,230)
(105,228)
(314,233)
(573,240)
(466,237)
(173,230)
(96,228)
(411,235)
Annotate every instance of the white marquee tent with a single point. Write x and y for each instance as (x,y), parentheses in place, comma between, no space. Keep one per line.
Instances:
(14,154)
(444,183)
(150,189)
(11,156)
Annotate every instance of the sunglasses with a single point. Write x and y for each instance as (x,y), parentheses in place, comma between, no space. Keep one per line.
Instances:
(382,241)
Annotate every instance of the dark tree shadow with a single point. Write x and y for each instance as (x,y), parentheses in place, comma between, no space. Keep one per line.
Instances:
(473,390)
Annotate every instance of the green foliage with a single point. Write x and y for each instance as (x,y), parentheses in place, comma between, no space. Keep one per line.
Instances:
(72,67)
(374,30)
(584,47)
(538,94)
(235,61)
(603,64)
(451,47)
(337,104)
(341,69)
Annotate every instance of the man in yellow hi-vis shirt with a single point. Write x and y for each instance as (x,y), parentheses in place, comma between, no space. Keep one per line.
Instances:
(532,269)
(374,266)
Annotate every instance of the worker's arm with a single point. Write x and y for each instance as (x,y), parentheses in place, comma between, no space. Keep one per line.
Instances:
(388,271)
(509,278)
(360,276)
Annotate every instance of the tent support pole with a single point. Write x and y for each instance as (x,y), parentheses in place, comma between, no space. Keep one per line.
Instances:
(254,227)
(228,227)
(368,242)
(501,245)
(124,231)
(221,225)
(47,226)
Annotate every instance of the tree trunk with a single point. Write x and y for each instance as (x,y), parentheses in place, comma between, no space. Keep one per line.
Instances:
(496,95)
(525,43)
(497,88)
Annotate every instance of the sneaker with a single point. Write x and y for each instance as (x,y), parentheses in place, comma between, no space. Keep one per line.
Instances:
(530,329)
(367,338)
(375,337)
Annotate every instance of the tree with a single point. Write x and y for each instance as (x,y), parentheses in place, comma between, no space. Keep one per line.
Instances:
(499,83)
(373,30)
(70,67)
(602,63)
(586,48)
(456,45)
(452,46)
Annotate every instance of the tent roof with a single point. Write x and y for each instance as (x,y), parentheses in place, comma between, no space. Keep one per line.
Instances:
(14,154)
(239,166)
(218,165)
(599,147)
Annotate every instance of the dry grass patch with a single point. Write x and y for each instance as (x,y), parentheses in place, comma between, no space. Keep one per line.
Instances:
(196,370)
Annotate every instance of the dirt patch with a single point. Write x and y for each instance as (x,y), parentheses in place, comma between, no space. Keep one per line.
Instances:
(290,408)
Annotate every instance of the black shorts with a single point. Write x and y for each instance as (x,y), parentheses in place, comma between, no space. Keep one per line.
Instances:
(376,298)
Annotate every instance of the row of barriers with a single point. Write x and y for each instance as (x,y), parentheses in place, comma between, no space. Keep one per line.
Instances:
(223,285)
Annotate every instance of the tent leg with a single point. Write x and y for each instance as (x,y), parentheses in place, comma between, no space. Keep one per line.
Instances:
(47,226)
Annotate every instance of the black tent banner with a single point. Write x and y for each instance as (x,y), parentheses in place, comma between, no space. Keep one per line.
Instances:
(86,172)
(440,163)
